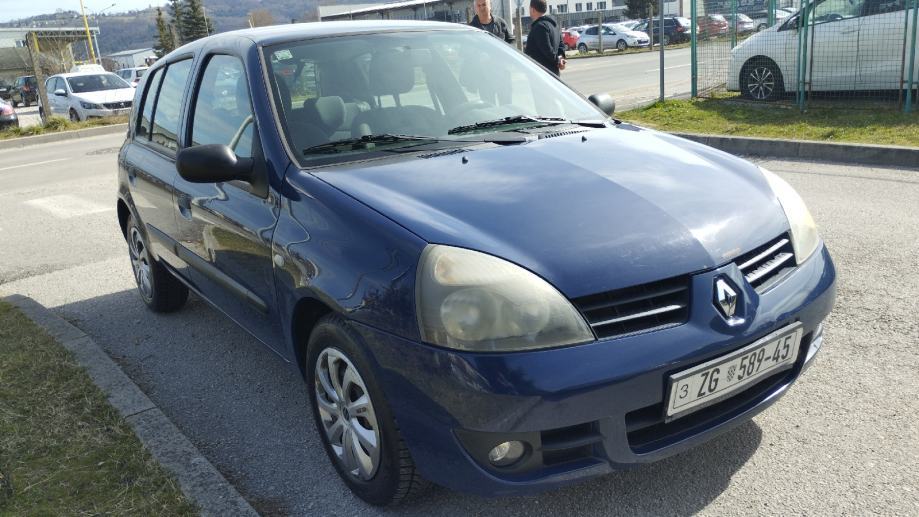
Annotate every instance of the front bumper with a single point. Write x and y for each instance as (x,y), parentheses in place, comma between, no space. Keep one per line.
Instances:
(100,113)
(589,409)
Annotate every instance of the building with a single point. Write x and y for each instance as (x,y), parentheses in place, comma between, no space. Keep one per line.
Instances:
(132,58)
(457,11)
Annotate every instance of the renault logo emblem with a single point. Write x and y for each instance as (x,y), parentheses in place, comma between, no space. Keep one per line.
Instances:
(725,298)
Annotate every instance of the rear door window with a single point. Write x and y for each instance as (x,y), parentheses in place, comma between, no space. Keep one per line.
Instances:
(146,116)
(168,108)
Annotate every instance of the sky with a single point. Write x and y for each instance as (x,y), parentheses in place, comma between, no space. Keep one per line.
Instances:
(13,10)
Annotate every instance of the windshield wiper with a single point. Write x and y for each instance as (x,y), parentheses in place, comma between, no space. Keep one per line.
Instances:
(364,142)
(516,119)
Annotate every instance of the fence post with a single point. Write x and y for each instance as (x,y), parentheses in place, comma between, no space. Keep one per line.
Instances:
(661,14)
(912,61)
(802,53)
(733,27)
(771,12)
(693,54)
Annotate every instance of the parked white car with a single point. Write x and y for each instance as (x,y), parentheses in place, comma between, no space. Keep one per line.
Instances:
(761,18)
(84,95)
(132,75)
(851,45)
(614,36)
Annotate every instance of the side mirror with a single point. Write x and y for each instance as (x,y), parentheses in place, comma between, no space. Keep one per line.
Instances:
(604,102)
(213,163)
(60,92)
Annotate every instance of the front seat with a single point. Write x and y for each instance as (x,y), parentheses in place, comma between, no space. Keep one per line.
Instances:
(392,73)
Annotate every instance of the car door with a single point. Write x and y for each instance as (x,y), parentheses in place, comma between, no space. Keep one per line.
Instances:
(150,158)
(880,45)
(832,46)
(225,229)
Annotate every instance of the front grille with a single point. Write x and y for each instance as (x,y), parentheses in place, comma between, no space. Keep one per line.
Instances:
(117,105)
(638,308)
(764,266)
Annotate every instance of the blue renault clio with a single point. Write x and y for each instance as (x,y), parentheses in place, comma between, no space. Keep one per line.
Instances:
(487,282)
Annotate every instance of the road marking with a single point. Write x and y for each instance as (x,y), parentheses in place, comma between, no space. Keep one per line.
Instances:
(31,164)
(670,67)
(66,206)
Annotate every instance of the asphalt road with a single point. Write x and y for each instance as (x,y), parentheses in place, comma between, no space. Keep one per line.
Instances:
(843,440)
(632,79)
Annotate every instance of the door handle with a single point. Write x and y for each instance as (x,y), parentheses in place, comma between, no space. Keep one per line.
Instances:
(184,204)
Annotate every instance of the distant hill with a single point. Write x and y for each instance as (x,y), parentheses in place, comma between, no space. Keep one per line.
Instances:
(137,29)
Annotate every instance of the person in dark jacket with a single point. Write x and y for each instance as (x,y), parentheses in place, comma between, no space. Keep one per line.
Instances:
(544,44)
(486,21)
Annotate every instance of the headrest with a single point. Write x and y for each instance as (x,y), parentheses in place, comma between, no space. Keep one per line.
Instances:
(391,73)
(327,112)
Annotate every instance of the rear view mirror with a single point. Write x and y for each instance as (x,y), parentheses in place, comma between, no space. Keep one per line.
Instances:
(604,102)
(212,163)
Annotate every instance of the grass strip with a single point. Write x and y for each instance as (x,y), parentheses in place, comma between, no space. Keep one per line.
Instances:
(58,124)
(867,123)
(63,449)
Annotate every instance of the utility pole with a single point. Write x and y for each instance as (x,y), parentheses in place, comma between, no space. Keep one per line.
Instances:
(89,38)
(34,55)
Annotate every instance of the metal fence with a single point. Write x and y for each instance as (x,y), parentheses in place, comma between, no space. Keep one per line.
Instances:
(823,52)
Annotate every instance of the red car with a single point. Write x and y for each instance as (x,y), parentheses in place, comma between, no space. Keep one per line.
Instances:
(570,38)
(712,25)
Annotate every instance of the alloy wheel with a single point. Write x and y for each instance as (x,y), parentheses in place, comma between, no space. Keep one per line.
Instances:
(140,263)
(347,414)
(761,84)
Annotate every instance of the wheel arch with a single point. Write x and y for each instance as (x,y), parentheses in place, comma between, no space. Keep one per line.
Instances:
(760,57)
(303,319)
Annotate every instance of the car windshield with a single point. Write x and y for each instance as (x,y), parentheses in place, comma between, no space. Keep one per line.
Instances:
(619,28)
(436,86)
(95,83)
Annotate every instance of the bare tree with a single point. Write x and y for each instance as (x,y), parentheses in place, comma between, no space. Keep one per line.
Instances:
(260,18)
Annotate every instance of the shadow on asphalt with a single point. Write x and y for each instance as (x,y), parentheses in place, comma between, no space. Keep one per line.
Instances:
(246,410)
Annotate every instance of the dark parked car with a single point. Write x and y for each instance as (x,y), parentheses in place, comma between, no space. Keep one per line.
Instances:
(676,29)
(24,91)
(5,90)
(486,283)
(8,117)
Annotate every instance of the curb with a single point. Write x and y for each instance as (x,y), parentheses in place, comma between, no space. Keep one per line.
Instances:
(198,478)
(863,154)
(24,141)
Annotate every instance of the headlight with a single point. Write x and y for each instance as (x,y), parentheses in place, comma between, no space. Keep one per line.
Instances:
(804,236)
(90,106)
(473,301)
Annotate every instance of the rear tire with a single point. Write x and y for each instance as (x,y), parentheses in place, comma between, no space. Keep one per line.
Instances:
(14,103)
(352,402)
(161,291)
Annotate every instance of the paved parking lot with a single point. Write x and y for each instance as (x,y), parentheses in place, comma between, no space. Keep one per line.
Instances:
(843,441)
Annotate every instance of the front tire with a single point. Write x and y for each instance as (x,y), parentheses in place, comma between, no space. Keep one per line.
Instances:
(357,428)
(761,80)
(161,291)
(74,116)
(621,45)
(582,48)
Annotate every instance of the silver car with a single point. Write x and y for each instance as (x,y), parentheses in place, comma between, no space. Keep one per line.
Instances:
(614,36)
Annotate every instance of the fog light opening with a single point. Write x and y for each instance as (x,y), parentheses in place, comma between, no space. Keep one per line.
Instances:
(506,453)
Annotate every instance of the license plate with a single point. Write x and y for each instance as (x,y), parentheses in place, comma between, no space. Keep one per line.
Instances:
(710,382)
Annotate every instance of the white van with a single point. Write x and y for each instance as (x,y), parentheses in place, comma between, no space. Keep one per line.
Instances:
(851,45)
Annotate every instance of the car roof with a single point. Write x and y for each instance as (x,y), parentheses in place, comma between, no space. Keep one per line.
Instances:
(299,31)
(78,74)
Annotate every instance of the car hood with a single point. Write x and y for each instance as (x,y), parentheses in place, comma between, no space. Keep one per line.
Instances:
(636,34)
(589,212)
(119,95)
